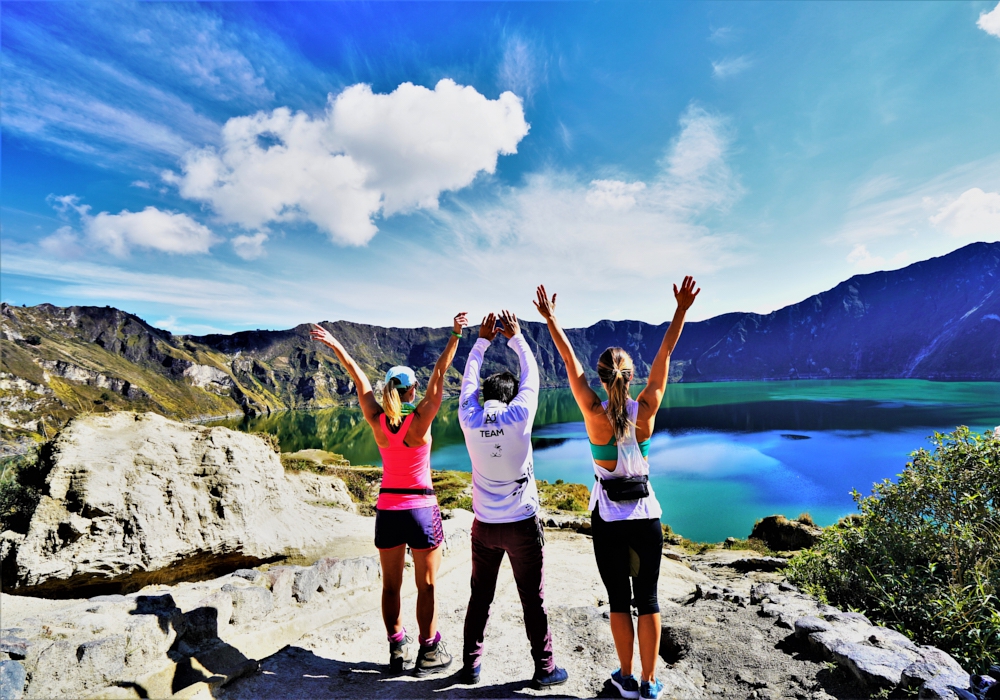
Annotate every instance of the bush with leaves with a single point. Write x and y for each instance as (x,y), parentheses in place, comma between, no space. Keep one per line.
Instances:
(22,483)
(923,553)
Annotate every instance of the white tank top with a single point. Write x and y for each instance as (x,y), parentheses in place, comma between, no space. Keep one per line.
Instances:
(630,463)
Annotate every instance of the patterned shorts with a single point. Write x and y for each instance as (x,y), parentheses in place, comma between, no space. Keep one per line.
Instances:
(419,528)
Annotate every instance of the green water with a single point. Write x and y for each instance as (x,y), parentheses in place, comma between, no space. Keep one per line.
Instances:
(723,454)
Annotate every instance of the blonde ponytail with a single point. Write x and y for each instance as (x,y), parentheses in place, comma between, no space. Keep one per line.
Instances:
(614,367)
(391,403)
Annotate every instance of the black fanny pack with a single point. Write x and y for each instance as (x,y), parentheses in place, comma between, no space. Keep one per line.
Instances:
(408,492)
(630,488)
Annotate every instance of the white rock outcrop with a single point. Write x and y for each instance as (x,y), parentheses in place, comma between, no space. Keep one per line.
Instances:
(135,498)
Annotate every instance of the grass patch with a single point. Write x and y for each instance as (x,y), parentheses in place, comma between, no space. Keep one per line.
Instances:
(562,496)
(454,489)
(751,544)
(806,519)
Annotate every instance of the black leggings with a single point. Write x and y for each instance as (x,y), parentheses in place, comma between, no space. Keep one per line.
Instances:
(612,541)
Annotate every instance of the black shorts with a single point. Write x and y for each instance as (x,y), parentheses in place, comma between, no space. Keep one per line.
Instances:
(418,528)
(612,542)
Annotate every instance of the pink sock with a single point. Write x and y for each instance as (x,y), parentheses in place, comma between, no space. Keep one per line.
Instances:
(399,636)
(431,642)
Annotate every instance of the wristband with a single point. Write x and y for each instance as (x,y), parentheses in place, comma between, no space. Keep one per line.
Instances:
(457,335)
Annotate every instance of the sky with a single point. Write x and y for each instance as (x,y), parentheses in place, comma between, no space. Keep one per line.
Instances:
(221,167)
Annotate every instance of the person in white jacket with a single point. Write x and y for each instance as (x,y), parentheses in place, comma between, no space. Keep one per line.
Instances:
(504,497)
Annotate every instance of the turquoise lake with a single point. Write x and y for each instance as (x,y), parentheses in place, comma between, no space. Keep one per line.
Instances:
(724,454)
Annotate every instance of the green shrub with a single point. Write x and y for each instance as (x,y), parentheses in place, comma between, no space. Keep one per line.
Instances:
(22,483)
(923,554)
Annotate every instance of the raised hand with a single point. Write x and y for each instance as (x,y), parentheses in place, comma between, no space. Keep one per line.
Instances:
(546,307)
(322,335)
(686,294)
(488,328)
(461,320)
(510,325)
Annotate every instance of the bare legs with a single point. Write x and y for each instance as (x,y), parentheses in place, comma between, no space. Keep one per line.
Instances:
(392,580)
(425,567)
(649,642)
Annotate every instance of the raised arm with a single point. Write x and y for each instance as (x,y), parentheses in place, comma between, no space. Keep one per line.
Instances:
(366,397)
(650,397)
(586,398)
(428,407)
(525,403)
(468,403)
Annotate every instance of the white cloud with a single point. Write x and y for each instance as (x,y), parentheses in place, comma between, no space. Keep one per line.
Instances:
(367,154)
(721,35)
(728,67)
(912,211)
(989,22)
(974,214)
(64,243)
(250,247)
(614,193)
(862,259)
(585,238)
(519,69)
(141,184)
(118,233)
(150,228)
(874,188)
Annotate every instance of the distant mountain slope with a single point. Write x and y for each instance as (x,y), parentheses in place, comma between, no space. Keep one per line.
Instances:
(936,319)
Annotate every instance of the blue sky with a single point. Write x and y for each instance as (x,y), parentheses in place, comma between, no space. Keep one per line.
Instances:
(216,167)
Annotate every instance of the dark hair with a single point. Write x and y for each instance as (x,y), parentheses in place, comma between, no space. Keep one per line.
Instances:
(501,386)
(614,367)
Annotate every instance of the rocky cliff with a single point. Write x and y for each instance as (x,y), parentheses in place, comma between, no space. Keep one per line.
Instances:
(936,319)
(131,499)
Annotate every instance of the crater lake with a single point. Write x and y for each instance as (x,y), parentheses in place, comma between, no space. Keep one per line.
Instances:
(723,455)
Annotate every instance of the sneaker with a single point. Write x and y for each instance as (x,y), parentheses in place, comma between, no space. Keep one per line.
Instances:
(431,659)
(651,689)
(556,676)
(399,655)
(627,686)
(469,675)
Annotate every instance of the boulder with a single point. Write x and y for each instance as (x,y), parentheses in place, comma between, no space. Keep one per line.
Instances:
(781,534)
(249,603)
(134,499)
(12,678)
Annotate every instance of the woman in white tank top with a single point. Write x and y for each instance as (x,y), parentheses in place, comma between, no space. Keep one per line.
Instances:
(625,513)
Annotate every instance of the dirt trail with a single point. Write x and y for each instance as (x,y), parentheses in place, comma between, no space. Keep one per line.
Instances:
(720,649)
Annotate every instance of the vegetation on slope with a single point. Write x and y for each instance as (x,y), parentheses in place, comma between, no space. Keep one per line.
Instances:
(923,554)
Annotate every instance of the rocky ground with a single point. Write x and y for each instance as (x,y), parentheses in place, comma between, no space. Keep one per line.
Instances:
(712,647)
(732,627)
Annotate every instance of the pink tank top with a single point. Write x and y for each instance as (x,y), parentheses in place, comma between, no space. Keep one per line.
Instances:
(404,468)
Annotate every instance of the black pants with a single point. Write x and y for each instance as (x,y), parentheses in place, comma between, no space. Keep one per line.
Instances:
(612,541)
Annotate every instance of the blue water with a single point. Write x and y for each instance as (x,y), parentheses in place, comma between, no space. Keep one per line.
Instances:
(723,455)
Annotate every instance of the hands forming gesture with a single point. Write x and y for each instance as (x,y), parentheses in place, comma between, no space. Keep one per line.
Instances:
(505,323)
(687,293)
(460,321)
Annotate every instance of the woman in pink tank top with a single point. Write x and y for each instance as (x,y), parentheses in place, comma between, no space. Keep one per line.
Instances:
(407,513)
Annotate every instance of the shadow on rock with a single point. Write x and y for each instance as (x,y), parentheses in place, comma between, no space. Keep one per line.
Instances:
(199,653)
(300,673)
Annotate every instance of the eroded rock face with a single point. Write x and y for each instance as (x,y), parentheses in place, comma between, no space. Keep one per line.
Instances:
(137,498)
(781,534)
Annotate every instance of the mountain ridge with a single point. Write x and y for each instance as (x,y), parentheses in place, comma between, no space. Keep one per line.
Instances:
(935,319)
